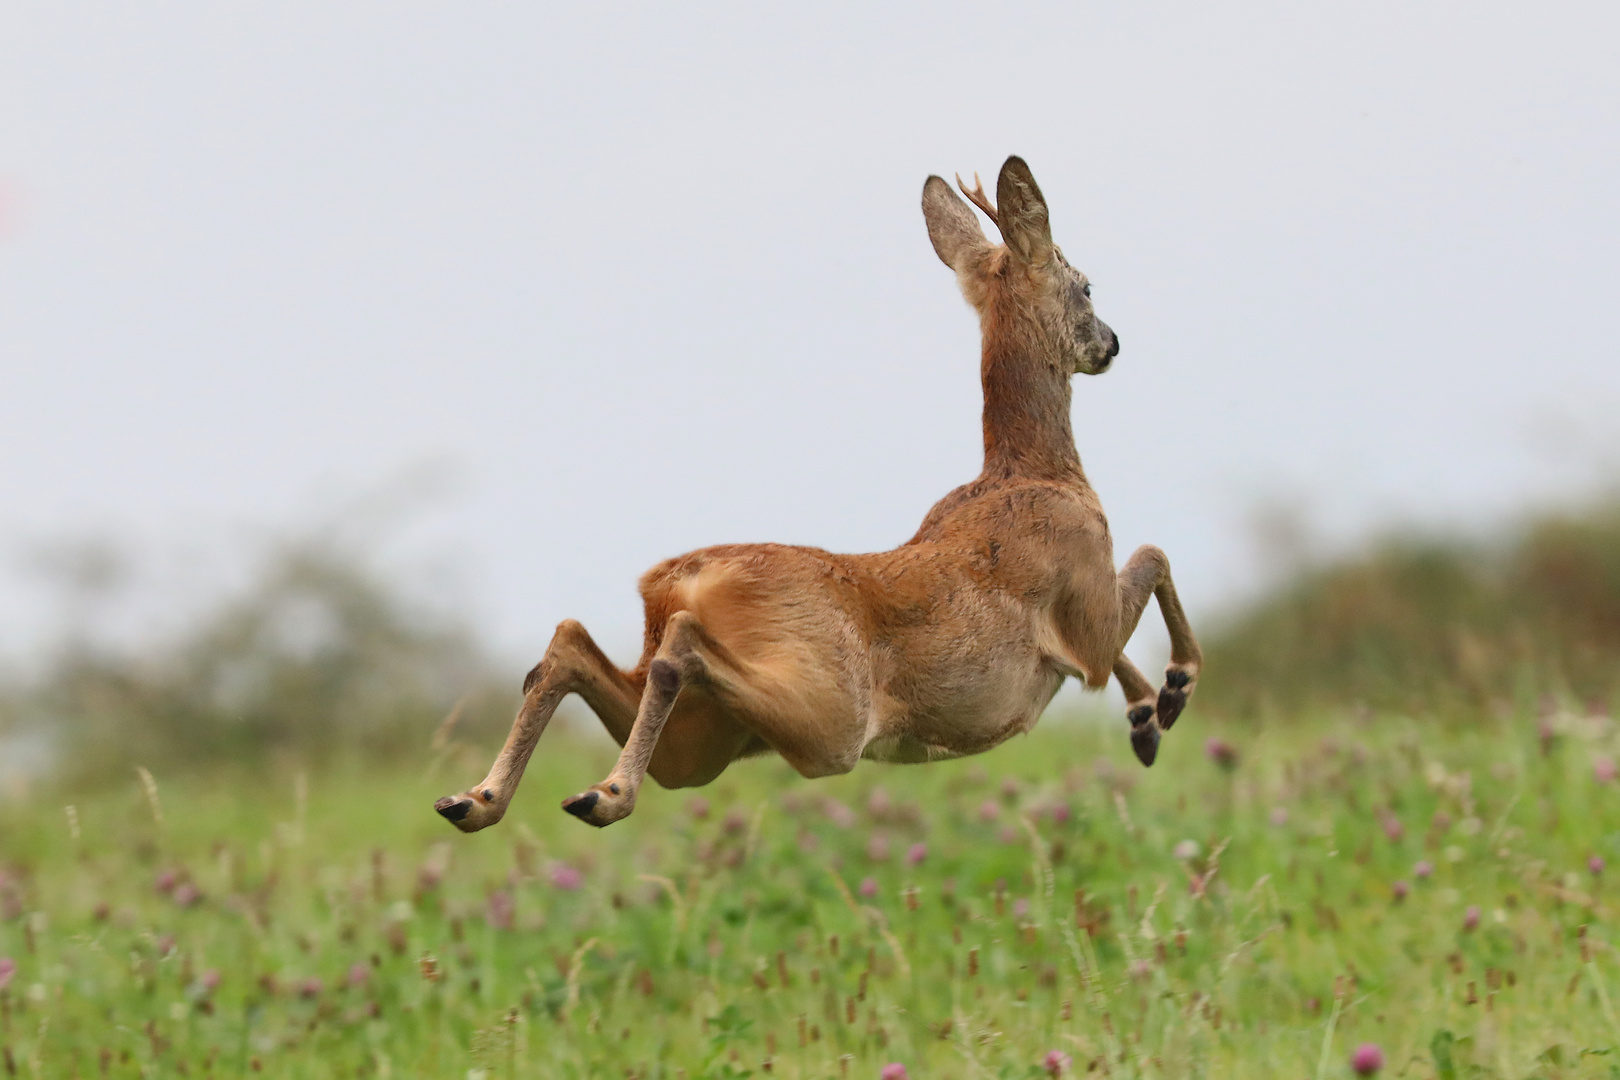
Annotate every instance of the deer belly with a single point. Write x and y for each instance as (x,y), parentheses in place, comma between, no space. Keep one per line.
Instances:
(973,719)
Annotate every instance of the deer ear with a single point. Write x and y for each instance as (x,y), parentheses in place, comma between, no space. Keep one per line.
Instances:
(952,227)
(1022,209)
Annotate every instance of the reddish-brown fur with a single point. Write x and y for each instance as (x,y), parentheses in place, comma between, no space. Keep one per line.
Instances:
(945,646)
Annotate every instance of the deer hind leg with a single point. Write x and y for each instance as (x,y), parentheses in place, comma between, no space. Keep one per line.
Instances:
(687,656)
(1147,573)
(572,664)
(736,709)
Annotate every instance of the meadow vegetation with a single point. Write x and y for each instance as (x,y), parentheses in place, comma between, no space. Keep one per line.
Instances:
(1257,905)
(1380,841)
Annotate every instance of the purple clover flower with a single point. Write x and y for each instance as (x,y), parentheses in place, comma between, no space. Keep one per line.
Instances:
(1367,1059)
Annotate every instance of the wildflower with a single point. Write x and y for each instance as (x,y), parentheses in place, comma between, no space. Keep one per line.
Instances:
(1547,734)
(1221,753)
(916,854)
(1187,849)
(498,908)
(165,944)
(839,814)
(1595,864)
(1060,814)
(8,968)
(1010,835)
(1471,917)
(698,807)
(166,881)
(1056,1062)
(735,821)
(1605,770)
(1424,869)
(358,974)
(429,876)
(869,887)
(893,1071)
(1139,970)
(186,894)
(877,848)
(209,980)
(1367,1059)
(878,804)
(1020,907)
(1392,826)
(1009,789)
(565,877)
(989,811)
(310,987)
(1279,816)
(1400,889)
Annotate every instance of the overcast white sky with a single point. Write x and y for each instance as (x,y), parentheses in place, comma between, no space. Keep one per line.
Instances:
(643,278)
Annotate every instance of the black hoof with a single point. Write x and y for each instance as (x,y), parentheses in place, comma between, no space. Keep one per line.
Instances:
(1145,741)
(1171,702)
(582,805)
(453,809)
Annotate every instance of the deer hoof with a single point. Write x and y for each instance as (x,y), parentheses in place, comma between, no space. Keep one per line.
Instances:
(1178,687)
(1145,741)
(583,806)
(1171,702)
(453,809)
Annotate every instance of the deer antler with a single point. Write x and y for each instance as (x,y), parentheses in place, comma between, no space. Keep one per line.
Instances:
(978,198)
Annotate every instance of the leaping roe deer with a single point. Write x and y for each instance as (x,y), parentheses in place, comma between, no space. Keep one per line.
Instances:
(943,647)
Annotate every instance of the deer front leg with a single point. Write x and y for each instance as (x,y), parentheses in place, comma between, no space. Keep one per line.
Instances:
(572,664)
(1140,706)
(1147,573)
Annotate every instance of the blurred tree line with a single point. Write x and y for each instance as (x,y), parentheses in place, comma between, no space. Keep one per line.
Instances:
(1434,625)
(321,655)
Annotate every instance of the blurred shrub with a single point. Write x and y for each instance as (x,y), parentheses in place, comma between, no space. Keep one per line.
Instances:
(1433,625)
(319,656)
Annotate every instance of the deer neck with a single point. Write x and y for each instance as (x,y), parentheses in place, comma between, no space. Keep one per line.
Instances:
(1027,431)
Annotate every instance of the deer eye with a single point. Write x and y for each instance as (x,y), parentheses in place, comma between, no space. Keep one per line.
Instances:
(1087,290)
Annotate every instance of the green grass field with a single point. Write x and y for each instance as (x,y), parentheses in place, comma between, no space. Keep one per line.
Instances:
(966,919)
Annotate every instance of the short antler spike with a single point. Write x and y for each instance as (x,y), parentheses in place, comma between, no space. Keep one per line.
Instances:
(978,198)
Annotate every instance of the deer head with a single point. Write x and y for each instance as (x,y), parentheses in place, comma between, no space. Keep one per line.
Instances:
(1027,274)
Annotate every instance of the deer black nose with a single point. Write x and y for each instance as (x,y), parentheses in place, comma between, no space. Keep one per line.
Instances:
(1113,349)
